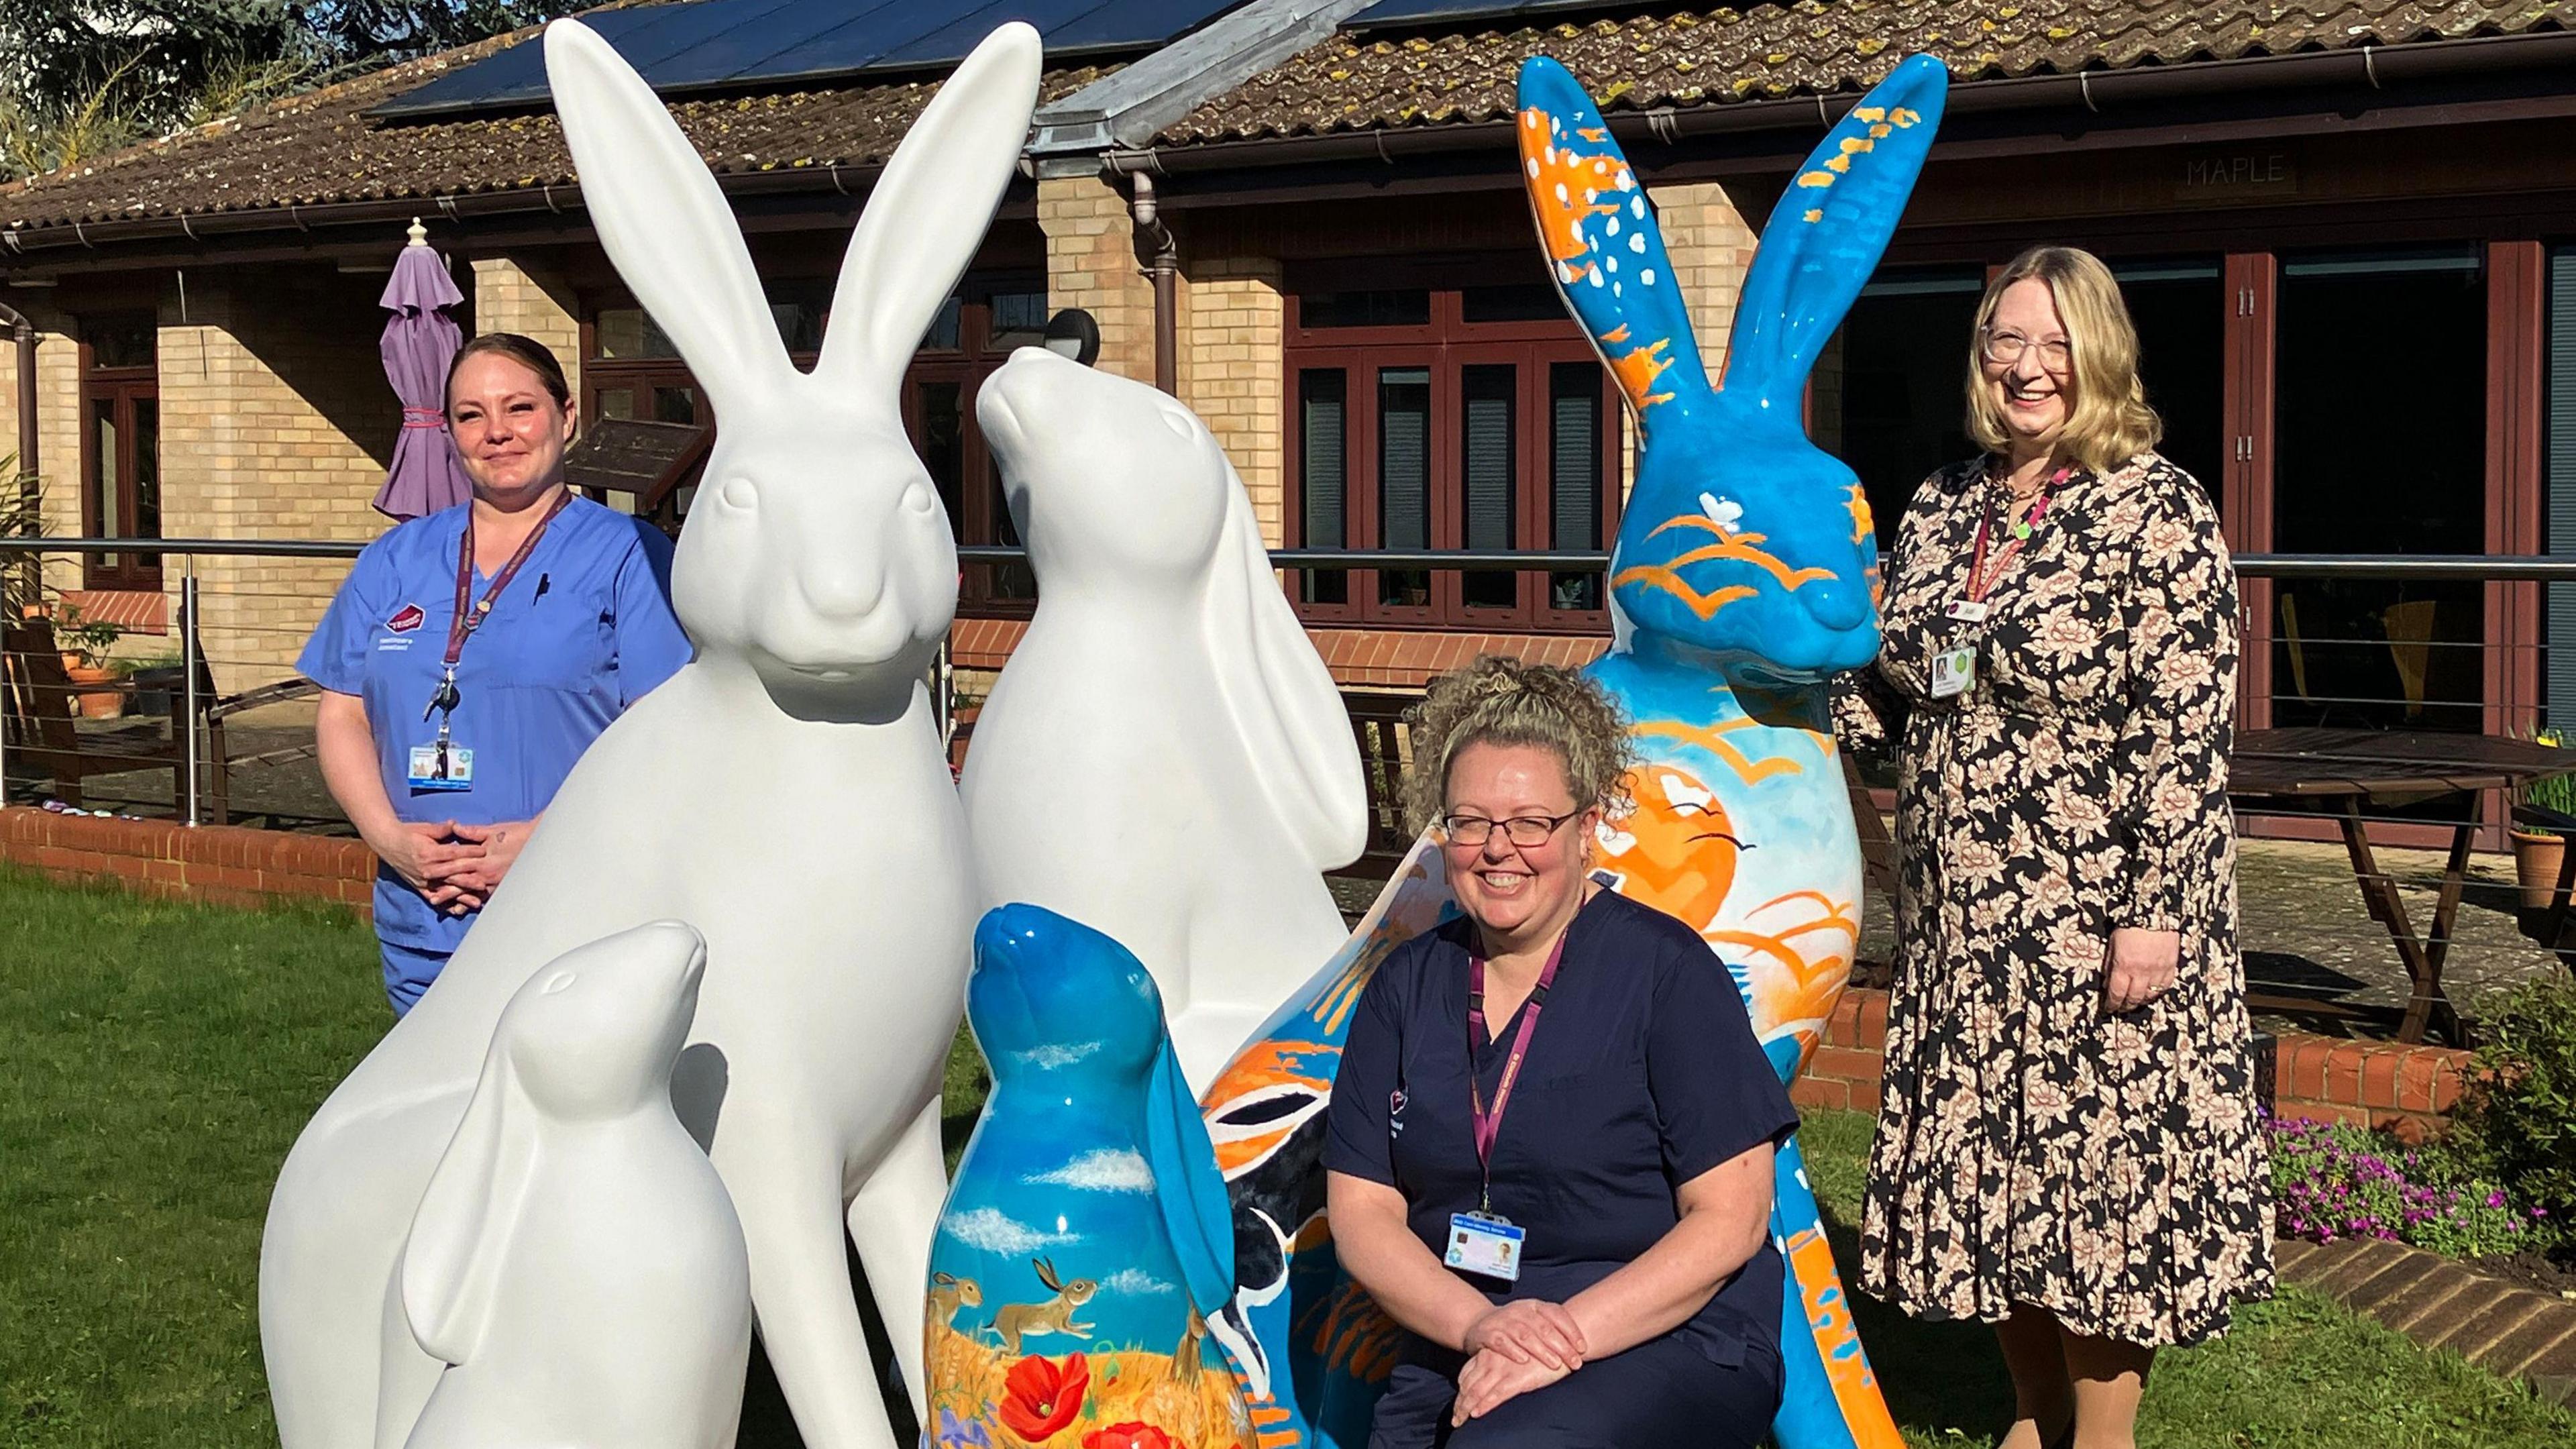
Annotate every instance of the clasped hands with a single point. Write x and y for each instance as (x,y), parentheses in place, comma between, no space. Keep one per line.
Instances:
(454,867)
(2140,966)
(1523,1345)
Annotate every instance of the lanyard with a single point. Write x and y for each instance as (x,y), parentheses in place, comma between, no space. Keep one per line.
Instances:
(1979,580)
(470,612)
(1489,1124)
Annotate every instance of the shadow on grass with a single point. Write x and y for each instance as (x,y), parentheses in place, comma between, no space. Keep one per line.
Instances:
(1936,1377)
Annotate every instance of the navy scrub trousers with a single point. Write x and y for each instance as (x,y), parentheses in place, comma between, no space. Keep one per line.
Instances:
(1643,1073)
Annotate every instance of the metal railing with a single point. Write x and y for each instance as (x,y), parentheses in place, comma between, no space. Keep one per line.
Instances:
(244,623)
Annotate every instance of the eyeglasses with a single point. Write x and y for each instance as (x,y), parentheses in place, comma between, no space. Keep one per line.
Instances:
(1526,831)
(2003,349)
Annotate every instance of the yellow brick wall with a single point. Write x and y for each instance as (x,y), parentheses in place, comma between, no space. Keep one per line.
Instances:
(1231,373)
(509,295)
(1091,264)
(276,422)
(57,424)
(1711,246)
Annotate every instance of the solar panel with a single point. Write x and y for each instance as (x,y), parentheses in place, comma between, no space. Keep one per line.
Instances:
(704,44)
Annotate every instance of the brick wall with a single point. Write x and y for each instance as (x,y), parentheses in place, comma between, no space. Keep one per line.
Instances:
(57,423)
(1231,373)
(277,422)
(1710,245)
(1091,263)
(222,864)
(2402,1089)
(509,295)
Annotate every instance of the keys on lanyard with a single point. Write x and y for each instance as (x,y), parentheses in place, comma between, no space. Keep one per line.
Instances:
(445,765)
(1484,1241)
(1954,670)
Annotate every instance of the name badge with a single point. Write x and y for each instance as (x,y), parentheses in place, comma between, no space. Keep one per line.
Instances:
(442,767)
(1966,611)
(1953,672)
(1485,1243)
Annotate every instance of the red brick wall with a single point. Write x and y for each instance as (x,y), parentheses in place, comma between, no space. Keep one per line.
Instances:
(2404,1089)
(219,863)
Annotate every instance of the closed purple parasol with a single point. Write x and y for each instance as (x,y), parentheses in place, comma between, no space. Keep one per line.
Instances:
(420,342)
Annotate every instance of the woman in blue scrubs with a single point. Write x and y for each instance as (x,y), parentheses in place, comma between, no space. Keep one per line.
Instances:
(472,655)
(1548,1153)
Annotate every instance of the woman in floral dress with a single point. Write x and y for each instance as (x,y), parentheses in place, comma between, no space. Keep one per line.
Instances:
(2068,1147)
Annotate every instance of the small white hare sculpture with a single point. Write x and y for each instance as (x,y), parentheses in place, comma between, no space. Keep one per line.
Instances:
(576,1258)
(786,793)
(1165,758)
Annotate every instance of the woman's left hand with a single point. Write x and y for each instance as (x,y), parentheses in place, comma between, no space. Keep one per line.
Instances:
(502,840)
(1490,1379)
(2143,966)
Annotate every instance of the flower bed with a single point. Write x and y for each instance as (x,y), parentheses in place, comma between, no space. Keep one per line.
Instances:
(2331,1181)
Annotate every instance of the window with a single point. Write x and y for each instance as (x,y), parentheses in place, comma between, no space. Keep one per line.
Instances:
(120,446)
(1441,418)
(1887,394)
(631,370)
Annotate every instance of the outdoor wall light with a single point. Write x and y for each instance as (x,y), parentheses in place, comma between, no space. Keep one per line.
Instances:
(1072,333)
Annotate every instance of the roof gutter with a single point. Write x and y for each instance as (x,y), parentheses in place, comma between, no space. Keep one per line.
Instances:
(2098,92)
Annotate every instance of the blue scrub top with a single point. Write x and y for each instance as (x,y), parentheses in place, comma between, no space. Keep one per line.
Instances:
(1642,1074)
(581,633)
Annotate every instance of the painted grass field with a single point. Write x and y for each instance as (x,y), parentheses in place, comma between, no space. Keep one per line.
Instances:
(156,1060)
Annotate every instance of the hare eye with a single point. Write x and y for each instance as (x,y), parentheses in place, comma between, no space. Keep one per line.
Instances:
(558,982)
(917,499)
(739,493)
(1179,423)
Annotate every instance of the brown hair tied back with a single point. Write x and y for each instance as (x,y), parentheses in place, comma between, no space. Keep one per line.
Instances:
(528,352)
(1507,702)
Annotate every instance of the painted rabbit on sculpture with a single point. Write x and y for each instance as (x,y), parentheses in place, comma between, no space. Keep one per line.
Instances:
(1742,581)
(785,792)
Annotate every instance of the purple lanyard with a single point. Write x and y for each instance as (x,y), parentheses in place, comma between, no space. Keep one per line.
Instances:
(1489,1124)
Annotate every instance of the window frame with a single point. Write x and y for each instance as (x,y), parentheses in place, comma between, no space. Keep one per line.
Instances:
(120,388)
(1445,346)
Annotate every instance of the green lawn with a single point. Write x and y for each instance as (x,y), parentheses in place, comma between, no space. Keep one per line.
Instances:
(157,1059)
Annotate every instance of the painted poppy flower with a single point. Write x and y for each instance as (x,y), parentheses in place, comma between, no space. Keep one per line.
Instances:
(1040,1397)
(1130,1436)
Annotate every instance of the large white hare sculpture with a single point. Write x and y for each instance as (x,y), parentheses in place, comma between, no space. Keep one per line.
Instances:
(786,793)
(1164,759)
(575,1258)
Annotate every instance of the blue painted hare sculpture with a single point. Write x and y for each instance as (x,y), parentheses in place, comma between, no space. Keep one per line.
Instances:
(1743,580)
(1086,1231)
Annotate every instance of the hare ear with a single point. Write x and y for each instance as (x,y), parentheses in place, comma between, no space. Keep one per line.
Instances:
(1281,697)
(928,211)
(662,219)
(1605,247)
(1188,1186)
(1827,232)
(460,1236)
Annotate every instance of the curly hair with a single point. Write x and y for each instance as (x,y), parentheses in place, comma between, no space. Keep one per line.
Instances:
(1507,702)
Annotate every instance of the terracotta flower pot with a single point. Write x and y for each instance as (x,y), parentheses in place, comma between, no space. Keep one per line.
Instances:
(2537,858)
(95,703)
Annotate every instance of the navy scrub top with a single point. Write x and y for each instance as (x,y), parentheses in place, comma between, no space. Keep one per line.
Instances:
(1643,1073)
(581,633)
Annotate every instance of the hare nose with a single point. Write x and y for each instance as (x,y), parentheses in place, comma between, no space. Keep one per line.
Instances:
(1836,604)
(842,593)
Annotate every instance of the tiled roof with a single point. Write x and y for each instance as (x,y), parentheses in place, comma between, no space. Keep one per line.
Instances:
(1436,75)
(321,147)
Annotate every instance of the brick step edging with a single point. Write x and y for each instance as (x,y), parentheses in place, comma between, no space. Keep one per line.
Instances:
(2444,1303)
(223,864)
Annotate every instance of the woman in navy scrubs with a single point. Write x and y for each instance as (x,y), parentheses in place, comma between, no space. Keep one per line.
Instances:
(1602,1274)
(443,741)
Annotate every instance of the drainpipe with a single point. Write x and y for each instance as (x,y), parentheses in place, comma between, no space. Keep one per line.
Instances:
(1165,269)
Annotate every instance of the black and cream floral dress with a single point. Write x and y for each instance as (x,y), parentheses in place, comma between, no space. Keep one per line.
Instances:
(2033,1146)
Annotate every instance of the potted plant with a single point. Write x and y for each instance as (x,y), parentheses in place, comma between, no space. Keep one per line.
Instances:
(2538,855)
(85,662)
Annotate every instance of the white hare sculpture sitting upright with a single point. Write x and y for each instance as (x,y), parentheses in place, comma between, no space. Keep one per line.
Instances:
(786,793)
(1165,758)
(575,1258)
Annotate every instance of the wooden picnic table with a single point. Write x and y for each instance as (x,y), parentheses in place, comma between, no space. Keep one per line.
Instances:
(2357,770)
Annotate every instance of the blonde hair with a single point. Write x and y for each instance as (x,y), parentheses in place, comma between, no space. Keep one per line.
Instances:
(1503,701)
(2108,421)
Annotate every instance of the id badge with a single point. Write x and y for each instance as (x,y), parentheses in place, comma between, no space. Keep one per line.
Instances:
(1486,1244)
(442,767)
(1966,611)
(1953,672)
